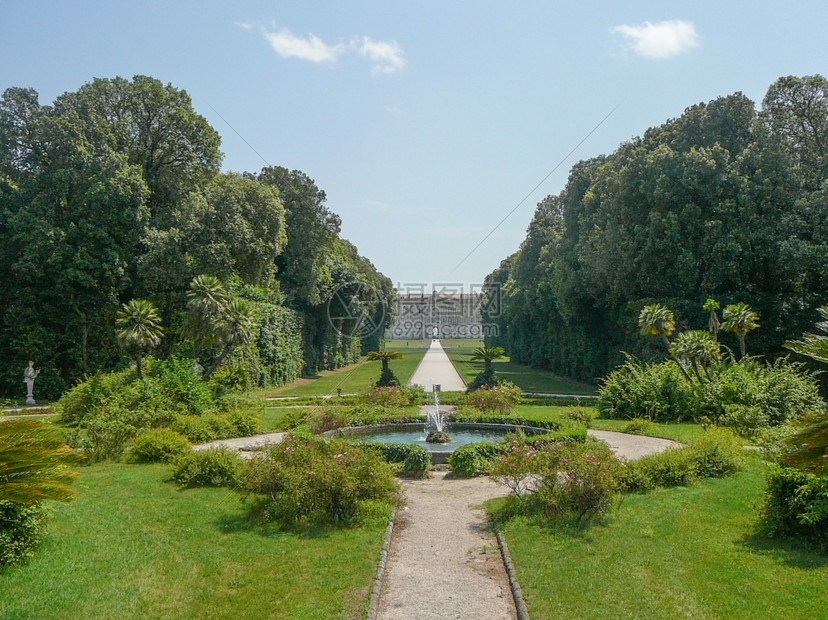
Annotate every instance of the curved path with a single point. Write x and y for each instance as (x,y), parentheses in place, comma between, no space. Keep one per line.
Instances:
(436,368)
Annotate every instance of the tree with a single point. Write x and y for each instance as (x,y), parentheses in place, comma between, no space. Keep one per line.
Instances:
(713,323)
(235,327)
(384,357)
(739,319)
(33,463)
(206,300)
(487,355)
(139,328)
(657,320)
(699,348)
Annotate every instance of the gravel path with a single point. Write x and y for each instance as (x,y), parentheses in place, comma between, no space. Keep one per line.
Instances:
(443,561)
(436,367)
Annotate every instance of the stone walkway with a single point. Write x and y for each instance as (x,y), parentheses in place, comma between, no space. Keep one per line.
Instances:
(443,562)
(436,368)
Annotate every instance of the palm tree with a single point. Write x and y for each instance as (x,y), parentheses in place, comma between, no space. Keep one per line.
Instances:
(697,347)
(234,326)
(487,354)
(206,300)
(657,320)
(739,319)
(384,357)
(713,324)
(33,459)
(814,346)
(139,328)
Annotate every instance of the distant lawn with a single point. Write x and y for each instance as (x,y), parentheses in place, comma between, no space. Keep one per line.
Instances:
(675,553)
(132,546)
(528,379)
(356,377)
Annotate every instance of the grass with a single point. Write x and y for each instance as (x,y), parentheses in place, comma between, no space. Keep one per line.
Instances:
(528,379)
(683,432)
(131,546)
(355,377)
(675,553)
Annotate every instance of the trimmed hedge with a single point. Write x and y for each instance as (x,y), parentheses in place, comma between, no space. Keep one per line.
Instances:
(796,505)
(409,460)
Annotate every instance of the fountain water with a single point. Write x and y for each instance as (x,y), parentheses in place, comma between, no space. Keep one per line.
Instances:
(436,423)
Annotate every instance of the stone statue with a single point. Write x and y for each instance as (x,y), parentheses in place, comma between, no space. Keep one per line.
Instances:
(29,376)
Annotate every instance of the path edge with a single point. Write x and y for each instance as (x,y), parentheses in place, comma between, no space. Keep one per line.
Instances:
(517,593)
(376,591)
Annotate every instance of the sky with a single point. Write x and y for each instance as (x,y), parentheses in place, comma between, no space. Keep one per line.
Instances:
(425,122)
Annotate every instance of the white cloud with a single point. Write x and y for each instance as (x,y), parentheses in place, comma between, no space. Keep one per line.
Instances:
(386,56)
(660,40)
(312,48)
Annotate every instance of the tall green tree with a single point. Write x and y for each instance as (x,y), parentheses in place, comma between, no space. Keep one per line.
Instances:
(139,328)
(739,319)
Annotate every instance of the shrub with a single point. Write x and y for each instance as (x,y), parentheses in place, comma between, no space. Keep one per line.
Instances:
(387,379)
(562,479)
(483,380)
(414,394)
(244,422)
(637,426)
(315,481)
(501,398)
(159,444)
(582,415)
(657,392)
(409,460)
(473,459)
(390,396)
(215,467)
(21,529)
(671,468)
(717,454)
(796,505)
(324,419)
(746,420)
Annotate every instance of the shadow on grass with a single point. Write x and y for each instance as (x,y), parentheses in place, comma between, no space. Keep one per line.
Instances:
(793,552)
(502,510)
(251,521)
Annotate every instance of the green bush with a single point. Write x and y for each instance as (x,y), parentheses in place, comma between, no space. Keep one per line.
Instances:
(409,460)
(159,444)
(215,467)
(501,398)
(582,415)
(21,529)
(387,379)
(671,468)
(310,480)
(324,419)
(575,479)
(717,454)
(796,505)
(474,459)
(386,396)
(205,428)
(747,395)
(637,426)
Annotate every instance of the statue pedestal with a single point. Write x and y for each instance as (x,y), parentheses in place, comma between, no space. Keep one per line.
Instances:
(30,400)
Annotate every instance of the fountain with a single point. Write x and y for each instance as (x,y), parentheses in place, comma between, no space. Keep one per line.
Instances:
(435,424)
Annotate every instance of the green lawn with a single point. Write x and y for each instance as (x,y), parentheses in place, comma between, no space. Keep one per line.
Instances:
(675,553)
(528,379)
(132,546)
(356,377)
(684,432)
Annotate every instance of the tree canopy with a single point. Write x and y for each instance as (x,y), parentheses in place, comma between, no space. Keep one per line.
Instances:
(726,202)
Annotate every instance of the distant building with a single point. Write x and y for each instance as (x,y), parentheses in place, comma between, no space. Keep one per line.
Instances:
(436,315)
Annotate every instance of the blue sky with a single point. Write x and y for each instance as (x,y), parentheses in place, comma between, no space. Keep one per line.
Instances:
(425,122)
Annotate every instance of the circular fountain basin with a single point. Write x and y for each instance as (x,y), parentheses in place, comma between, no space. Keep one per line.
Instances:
(461,435)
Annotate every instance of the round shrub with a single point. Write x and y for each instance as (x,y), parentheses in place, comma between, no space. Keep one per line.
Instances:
(216,467)
(501,398)
(386,396)
(474,459)
(671,468)
(159,445)
(717,454)
(310,480)
(796,505)
(21,529)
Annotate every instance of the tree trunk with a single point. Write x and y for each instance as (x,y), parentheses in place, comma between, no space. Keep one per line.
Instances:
(742,343)
(138,369)
(224,353)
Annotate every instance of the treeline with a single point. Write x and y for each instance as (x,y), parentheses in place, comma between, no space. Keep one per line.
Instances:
(726,201)
(115,193)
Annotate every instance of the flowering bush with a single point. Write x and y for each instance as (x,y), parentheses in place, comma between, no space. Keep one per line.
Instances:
(390,396)
(310,480)
(501,397)
(565,478)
